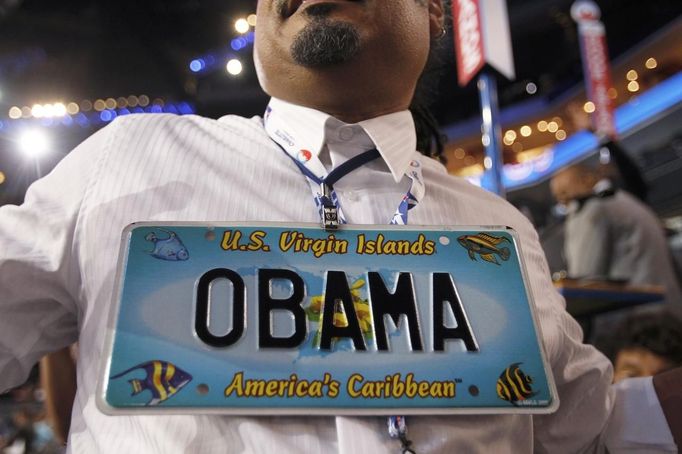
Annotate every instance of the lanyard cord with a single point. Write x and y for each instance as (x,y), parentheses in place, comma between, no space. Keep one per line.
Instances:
(397,427)
(342,170)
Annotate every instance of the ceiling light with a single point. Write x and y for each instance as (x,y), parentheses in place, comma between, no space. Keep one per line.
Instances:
(651,63)
(234,67)
(59,109)
(15,113)
(72,108)
(33,143)
(242,25)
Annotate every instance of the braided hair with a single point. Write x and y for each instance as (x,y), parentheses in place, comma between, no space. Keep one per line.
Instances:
(430,140)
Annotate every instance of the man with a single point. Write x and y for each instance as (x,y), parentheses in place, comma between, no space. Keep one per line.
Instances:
(609,234)
(326,63)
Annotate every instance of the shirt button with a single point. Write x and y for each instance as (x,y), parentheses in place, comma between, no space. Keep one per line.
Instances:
(346,133)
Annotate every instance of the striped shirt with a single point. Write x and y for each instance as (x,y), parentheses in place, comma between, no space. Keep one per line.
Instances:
(58,256)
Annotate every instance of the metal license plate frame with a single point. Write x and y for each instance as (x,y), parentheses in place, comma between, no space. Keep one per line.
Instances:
(149,351)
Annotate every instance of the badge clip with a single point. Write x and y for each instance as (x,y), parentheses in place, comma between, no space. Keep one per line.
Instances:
(330,212)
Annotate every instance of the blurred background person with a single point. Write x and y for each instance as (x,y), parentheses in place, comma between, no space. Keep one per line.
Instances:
(58,380)
(646,345)
(611,235)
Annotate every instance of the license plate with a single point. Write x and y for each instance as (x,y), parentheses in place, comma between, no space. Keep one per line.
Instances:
(290,319)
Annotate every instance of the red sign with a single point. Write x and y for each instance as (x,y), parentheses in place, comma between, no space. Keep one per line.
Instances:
(598,76)
(468,39)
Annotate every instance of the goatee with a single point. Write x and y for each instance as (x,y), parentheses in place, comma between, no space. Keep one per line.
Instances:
(325,42)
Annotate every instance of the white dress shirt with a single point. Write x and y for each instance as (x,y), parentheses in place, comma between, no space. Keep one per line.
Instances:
(58,255)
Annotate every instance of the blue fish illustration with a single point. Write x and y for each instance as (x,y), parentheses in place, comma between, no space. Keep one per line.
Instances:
(170,248)
(163,379)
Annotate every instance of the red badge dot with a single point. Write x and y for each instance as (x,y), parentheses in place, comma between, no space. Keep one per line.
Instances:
(304,156)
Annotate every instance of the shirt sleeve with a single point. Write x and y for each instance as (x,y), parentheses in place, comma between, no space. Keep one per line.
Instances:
(582,375)
(39,271)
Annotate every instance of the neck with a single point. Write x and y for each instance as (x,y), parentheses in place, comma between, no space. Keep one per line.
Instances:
(345,95)
(354,113)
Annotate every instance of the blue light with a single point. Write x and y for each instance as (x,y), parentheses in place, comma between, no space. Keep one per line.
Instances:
(238,44)
(2,125)
(185,108)
(197,65)
(106,115)
(156,109)
(82,120)
(250,37)
(123,112)
(138,110)
(170,108)
(67,120)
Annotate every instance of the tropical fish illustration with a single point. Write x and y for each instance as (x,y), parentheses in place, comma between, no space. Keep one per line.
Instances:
(486,246)
(361,306)
(163,379)
(514,386)
(170,248)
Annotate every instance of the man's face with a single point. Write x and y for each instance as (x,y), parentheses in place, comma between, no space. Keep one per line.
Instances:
(570,185)
(298,41)
(562,186)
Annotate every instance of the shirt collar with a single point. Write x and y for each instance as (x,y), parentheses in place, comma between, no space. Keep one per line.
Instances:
(393,134)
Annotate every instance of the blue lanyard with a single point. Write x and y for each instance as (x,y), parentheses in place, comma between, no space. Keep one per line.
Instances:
(326,200)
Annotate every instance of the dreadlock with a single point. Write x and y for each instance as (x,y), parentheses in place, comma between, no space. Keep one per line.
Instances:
(430,140)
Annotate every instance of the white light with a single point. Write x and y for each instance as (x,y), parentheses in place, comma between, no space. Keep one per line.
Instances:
(242,25)
(38,111)
(15,113)
(48,111)
(526,131)
(234,67)
(59,109)
(531,88)
(33,143)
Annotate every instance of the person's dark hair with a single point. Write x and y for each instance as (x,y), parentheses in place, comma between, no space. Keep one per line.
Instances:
(631,176)
(659,333)
(430,140)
